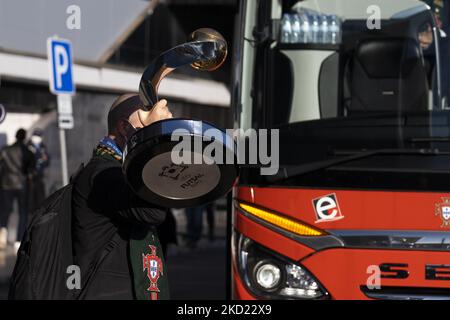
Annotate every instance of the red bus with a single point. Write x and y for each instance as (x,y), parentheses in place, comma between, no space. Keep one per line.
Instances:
(360,206)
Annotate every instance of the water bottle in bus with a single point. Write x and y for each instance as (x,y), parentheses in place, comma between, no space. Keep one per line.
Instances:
(335,30)
(324,30)
(286,29)
(305,28)
(295,25)
(315,28)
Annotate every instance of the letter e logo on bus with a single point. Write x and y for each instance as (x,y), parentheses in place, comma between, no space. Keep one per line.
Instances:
(327,208)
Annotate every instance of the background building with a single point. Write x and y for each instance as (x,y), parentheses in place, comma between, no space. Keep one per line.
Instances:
(115,42)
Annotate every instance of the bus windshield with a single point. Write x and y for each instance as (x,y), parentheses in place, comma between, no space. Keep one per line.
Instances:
(348,77)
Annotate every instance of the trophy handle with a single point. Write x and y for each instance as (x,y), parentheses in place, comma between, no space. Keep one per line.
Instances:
(206,51)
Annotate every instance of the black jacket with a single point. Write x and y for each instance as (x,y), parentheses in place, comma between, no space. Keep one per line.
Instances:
(104,205)
(16,165)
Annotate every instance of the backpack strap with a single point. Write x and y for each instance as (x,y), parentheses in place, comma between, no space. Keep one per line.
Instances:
(110,246)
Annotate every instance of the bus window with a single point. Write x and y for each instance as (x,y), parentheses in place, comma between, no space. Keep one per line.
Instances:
(329,62)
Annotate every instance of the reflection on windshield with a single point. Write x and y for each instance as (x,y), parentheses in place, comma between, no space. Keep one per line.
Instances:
(395,69)
(373,102)
(425,36)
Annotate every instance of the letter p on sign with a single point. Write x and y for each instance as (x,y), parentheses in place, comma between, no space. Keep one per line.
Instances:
(60,66)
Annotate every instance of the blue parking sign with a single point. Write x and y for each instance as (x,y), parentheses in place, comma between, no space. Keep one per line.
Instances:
(60,61)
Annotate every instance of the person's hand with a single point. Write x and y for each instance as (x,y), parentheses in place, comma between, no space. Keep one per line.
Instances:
(160,111)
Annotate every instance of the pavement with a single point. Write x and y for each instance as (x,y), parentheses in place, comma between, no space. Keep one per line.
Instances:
(198,274)
(194,274)
(7,261)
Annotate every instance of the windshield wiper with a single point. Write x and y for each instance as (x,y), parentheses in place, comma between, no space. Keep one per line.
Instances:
(289,172)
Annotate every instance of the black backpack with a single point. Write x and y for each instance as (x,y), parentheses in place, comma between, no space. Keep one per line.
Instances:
(45,254)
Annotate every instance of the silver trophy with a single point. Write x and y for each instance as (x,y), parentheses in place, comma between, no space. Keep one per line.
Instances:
(148,163)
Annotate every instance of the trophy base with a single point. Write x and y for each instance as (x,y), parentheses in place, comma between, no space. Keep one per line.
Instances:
(154,176)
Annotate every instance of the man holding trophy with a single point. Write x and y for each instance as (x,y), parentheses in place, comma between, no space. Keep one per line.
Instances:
(105,209)
(121,192)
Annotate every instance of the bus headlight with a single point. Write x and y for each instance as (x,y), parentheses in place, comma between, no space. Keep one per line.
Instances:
(270,276)
(267,275)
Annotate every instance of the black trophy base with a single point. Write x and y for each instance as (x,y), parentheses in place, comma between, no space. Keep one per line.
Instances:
(154,177)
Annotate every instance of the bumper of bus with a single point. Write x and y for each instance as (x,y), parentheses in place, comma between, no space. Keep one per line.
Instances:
(349,273)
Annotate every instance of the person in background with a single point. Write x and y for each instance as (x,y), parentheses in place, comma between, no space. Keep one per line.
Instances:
(425,36)
(42,161)
(17,165)
(211,220)
(194,217)
(194,226)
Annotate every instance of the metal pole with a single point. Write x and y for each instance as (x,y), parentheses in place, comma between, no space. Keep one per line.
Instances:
(62,141)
